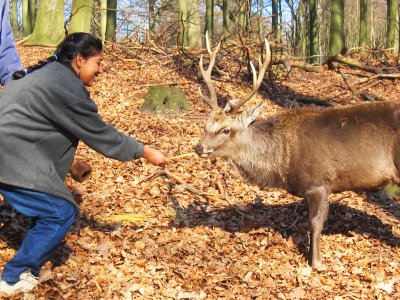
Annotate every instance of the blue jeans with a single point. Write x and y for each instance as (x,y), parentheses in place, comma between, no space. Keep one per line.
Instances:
(53,217)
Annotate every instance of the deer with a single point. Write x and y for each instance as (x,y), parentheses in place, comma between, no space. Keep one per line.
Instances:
(309,152)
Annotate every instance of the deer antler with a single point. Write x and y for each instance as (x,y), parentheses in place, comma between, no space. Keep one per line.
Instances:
(212,100)
(257,80)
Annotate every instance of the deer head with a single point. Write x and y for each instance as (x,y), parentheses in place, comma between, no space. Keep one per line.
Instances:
(225,127)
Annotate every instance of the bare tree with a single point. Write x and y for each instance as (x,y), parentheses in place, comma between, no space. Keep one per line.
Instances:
(81,16)
(313,30)
(226,18)
(28,16)
(14,16)
(49,27)
(111,23)
(336,36)
(209,18)
(363,41)
(189,19)
(393,27)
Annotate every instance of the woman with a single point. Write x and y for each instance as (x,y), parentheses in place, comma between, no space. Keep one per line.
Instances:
(44,112)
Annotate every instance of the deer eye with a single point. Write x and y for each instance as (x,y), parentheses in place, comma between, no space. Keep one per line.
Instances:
(226,131)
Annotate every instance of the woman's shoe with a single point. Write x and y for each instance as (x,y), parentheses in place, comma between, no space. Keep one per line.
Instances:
(26,283)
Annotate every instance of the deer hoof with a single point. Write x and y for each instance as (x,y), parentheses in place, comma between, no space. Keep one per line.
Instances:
(318,266)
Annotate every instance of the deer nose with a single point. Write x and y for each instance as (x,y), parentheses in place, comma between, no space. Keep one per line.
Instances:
(199,149)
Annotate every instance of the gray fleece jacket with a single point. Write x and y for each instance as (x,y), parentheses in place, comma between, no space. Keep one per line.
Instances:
(43,116)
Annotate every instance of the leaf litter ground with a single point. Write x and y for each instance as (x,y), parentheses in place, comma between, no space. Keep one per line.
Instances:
(181,246)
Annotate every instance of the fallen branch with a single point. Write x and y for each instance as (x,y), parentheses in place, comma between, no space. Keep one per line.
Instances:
(137,219)
(381,76)
(221,188)
(353,63)
(356,92)
(182,155)
(193,190)
(301,65)
(164,83)
(370,85)
(312,100)
(39,45)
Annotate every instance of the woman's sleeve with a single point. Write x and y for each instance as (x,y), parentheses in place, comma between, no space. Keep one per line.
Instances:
(83,121)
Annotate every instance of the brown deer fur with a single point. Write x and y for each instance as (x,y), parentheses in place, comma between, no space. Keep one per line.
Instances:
(311,152)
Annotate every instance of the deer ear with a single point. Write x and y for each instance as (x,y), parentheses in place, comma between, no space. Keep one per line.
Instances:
(249,115)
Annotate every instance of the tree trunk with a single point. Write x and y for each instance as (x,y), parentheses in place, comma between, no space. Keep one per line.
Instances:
(313,31)
(209,24)
(28,15)
(260,19)
(81,16)
(111,20)
(336,34)
(25,18)
(194,31)
(183,15)
(280,33)
(248,15)
(393,9)
(275,19)
(295,24)
(225,15)
(14,17)
(49,28)
(241,16)
(303,29)
(243,19)
(32,12)
(103,19)
(297,34)
(363,42)
(152,17)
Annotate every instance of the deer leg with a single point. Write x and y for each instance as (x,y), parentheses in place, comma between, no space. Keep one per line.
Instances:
(318,207)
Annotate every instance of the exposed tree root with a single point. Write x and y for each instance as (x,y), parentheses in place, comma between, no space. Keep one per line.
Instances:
(196,191)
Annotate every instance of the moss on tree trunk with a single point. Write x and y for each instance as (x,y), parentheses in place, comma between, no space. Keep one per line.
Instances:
(164,100)
(49,25)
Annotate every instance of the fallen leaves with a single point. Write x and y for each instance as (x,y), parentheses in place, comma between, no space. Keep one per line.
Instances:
(154,239)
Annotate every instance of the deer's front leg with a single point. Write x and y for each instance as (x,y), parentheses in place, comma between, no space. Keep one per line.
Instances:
(318,207)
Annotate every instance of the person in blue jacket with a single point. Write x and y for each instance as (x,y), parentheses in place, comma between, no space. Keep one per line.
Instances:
(9,58)
(45,110)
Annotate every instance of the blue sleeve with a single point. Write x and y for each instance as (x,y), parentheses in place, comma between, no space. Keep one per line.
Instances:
(9,58)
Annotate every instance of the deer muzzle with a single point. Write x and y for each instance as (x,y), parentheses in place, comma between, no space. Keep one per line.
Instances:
(199,149)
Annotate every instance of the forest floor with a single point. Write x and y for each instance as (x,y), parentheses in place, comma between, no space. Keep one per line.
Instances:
(181,246)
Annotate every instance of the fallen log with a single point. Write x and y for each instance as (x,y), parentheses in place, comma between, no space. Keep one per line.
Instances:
(301,65)
(353,63)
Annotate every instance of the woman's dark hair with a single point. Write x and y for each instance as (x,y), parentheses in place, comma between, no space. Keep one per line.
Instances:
(82,43)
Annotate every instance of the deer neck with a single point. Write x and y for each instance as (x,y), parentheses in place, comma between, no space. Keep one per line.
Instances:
(261,158)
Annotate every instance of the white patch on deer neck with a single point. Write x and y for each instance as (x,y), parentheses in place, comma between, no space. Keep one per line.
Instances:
(260,160)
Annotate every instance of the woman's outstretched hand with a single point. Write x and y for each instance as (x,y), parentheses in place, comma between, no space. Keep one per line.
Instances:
(154,156)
